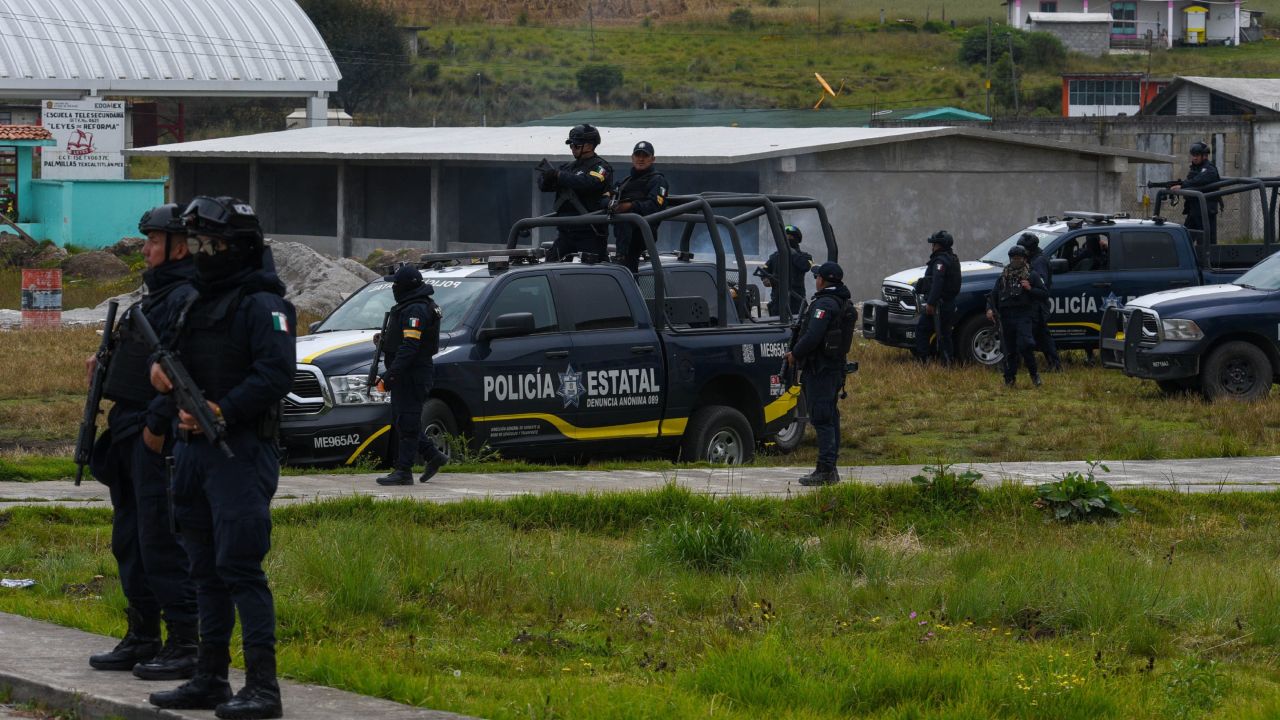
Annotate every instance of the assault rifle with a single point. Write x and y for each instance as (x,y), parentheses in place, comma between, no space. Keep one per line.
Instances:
(1166,184)
(377,356)
(185,391)
(89,421)
(790,372)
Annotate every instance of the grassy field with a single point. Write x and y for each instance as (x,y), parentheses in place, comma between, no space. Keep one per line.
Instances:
(897,412)
(851,602)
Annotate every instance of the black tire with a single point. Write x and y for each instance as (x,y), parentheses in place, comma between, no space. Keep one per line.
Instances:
(1236,370)
(786,440)
(437,422)
(978,342)
(718,434)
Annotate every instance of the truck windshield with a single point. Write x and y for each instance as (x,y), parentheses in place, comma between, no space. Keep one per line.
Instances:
(1263,276)
(364,309)
(999,255)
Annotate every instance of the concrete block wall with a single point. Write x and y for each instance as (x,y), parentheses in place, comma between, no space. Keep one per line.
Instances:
(1085,38)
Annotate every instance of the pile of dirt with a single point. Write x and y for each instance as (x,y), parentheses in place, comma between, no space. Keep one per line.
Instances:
(95,265)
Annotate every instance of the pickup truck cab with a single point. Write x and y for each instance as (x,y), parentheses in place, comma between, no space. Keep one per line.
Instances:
(569,359)
(1145,256)
(1222,341)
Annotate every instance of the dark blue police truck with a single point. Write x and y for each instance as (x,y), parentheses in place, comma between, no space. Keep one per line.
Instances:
(574,358)
(1145,256)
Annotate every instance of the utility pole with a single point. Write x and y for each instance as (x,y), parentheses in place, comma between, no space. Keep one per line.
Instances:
(591,23)
(1013,78)
(480,101)
(988,110)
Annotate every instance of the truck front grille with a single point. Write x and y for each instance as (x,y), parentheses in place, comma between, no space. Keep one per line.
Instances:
(901,301)
(306,397)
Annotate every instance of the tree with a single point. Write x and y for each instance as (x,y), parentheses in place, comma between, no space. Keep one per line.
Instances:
(367,45)
(600,79)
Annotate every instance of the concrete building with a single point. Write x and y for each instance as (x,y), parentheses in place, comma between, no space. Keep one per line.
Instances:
(1083,32)
(1108,94)
(349,190)
(1141,23)
(1200,96)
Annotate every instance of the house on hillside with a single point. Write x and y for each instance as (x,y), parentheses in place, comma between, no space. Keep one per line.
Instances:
(1108,94)
(1137,24)
(1257,97)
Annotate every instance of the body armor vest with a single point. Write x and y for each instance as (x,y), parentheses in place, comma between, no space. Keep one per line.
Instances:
(217,360)
(430,343)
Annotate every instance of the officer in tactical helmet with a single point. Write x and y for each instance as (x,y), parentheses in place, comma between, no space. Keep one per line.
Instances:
(238,346)
(936,297)
(413,338)
(1040,324)
(826,332)
(800,264)
(581,187)
(1012,303)
(1202,172)
(129,458)
(643,192)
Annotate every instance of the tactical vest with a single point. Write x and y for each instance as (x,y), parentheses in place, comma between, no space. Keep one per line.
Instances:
(217,361)
(839,337)
(952,287)
(430,343)
(1011,285)
(128,371)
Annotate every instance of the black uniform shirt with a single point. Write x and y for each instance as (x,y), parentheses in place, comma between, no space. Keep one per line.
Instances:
(413,334)
(824,310)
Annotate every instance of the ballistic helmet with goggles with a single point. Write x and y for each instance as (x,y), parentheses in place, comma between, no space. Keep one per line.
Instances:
(163,218)
(1199,148)
(1029,241)
(793,233)
(943,238)
(224,218)
(583,135)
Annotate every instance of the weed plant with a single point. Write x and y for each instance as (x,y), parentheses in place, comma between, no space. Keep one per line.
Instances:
(854,601)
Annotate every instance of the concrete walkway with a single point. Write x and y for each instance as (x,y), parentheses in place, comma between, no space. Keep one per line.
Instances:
(48,664)
(1206,475)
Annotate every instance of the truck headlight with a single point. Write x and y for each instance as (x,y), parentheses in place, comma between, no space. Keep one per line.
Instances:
(1175,329)
(350,390)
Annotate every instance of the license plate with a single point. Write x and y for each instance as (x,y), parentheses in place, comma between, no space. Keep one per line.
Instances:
(911,334)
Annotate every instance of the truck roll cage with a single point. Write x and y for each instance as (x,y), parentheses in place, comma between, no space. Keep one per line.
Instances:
(694,210)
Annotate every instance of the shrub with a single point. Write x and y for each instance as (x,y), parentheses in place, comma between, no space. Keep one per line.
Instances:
(944,489)
(599,78)
(1044,51)
(740,18)
(1080,496)
(973,48)
(935,27)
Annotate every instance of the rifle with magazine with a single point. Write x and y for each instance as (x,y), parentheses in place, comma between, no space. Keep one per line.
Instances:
(89,421)
(372,380)
(185,391)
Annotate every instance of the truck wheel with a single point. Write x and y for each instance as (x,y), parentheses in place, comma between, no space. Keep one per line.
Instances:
(977,342)
(788,438)
(1237,371)
(718,434)
(439,425)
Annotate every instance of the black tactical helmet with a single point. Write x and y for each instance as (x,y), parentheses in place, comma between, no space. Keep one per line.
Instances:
(1029,241)
(943,238)
(164,218)
(1017,251)
(793,233)
(224,217)
(1199,148)
(582,135)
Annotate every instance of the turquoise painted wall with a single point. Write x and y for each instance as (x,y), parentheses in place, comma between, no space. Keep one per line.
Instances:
(92,213)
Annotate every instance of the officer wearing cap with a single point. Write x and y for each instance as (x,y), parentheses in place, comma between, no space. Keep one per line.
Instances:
(413,338)
(1012,303)
(129,457)
(937,293)
(1202,173)
(643,192)
(799,266)
(1040,324)
(237,343)
(826,331)
(581,187)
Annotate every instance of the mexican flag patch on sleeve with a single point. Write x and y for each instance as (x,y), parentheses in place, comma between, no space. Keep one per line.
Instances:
(819,314)
(280,322)
(415,322)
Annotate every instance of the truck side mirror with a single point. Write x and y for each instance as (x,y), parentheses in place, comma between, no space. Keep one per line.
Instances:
(509,325)
(312,326)
(1057,266)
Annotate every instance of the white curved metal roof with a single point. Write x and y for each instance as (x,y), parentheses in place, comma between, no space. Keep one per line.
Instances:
(72,48)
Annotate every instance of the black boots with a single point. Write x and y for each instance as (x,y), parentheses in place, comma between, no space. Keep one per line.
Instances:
(141,643)
(823,475)
(176,660)
(433,466)
(207,690)
(259,699)
(397,477)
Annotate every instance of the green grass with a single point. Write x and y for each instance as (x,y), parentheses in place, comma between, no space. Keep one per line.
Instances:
(851,602)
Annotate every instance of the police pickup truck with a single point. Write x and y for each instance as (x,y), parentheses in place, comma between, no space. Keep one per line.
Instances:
(558,359)
(1145,256)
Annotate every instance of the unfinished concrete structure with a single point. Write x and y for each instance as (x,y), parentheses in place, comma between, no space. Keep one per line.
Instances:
(348,190)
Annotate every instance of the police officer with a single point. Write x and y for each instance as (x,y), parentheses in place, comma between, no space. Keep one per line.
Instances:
(581,187)
(643,192)
(1018,291)
(800,264)
(237,343)
(1202,173)
(1040,327)
(129,457)
(413,337)
(820,350)
(938,290)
